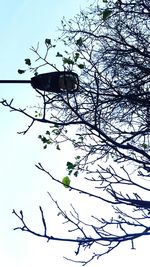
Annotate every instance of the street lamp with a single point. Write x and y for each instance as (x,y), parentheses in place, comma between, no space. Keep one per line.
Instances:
(57,82)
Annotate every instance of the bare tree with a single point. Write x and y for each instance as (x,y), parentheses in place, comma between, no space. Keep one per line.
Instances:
(109,48)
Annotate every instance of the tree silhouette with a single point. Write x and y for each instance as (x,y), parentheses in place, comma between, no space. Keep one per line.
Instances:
(109,48)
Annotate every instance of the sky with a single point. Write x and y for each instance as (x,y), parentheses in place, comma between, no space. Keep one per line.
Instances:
(23,187)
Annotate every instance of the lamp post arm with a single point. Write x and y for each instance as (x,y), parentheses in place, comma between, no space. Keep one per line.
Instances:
(15,81)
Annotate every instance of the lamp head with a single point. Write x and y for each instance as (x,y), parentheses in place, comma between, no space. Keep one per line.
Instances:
(57,82)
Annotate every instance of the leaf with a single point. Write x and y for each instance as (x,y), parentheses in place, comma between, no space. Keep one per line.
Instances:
(70,165)
(104,1)
(106,13)
(58,147)
(48,132)
(28,61)
(58,54)
(37,114)
(79,42)
(68,61)
(48,41)
(77,157)
(21,71)
(66,181)
(69,172)
(144,145)
(81,139)
(76,173)
(76,56)
(81,66)
(56,131)
(35,73)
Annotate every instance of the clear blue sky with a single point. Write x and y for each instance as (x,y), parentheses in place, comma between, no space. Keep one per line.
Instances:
(22,24)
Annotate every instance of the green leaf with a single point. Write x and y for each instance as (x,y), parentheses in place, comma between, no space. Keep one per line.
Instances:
(66,181)
(58,147)
(35,73)
(56,131)
(46,141)
(104,1)
(37,114)
(80,139)
(68,61)
(48,41)
(28,61)
(49,142)
(81,66)
(58,54)
(76,173)
(48,132)
(106,13)
(21,71)
(70,172)
(76,56)
(70,165)
(79,42)
(77,157)
(144,145)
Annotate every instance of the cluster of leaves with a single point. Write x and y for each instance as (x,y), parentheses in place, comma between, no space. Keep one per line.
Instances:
(78,142)
(69,59)
(49,139)
(72,60)
(107,11)
(51,136)
(27,62)
(73,167)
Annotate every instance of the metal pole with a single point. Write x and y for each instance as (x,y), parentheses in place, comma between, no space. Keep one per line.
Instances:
(15,81)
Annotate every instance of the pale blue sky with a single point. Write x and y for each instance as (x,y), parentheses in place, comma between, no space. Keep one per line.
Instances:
(22,24)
